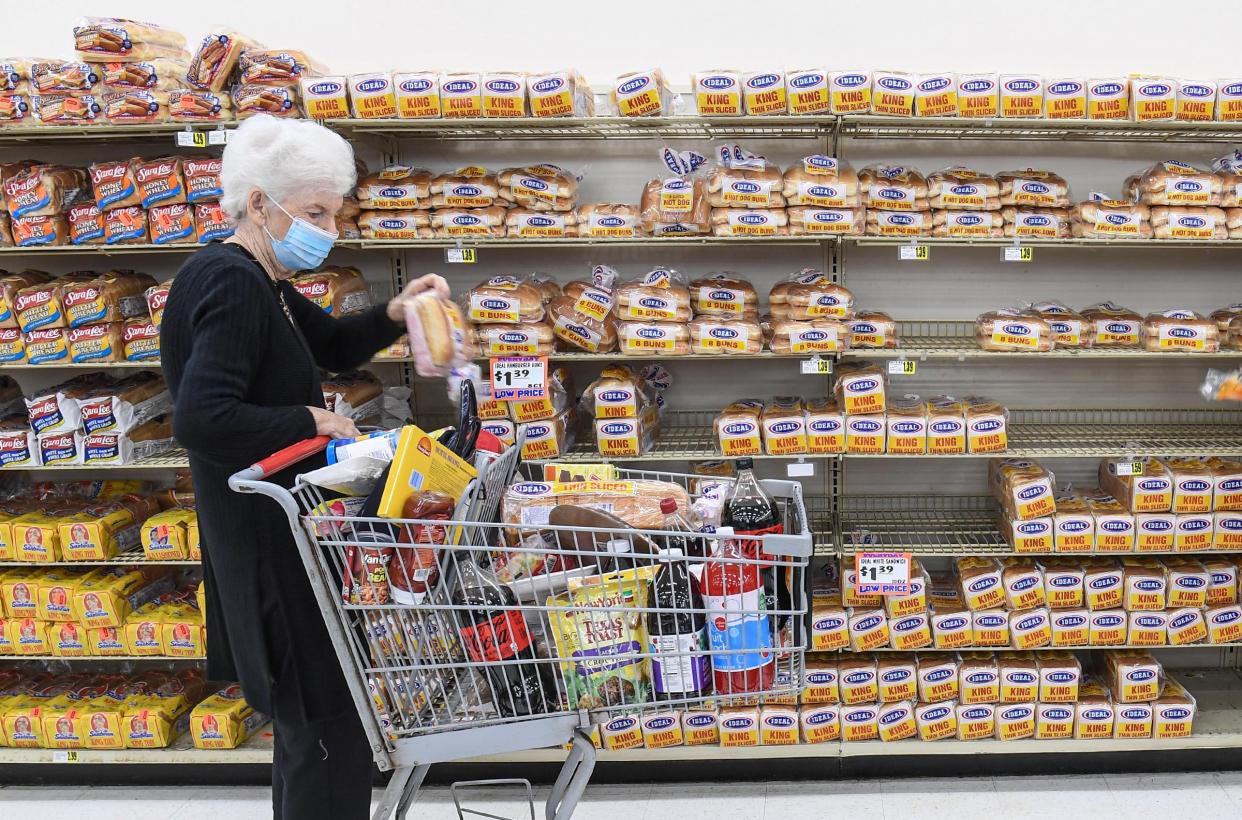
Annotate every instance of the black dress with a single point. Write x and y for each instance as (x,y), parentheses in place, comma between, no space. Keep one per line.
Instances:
(241,378)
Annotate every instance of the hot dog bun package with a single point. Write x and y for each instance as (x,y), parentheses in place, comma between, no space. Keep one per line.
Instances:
(676,204)
(437,334)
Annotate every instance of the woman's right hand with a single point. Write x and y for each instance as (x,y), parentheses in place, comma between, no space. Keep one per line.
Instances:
(332,424)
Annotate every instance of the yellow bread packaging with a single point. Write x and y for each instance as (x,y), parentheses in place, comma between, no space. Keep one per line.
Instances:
(935,95)
(897,677)
(979,678)
(1227,531)
(1132,676)
(936,721)
(224,720)
(621,733)
(418,94)
(911,631)
(1060,675)
(820,723)
(821,680)
(825,427)
(1150,491)
(1030,628)
(739,726)
(1147,628)
(1063,583)
(1195,99)
(1054,721)
(975,721)
(764,92)
(1187,583)
(829,624)
(1193,532)
(990,627)
(1146,584)
(1223,581)
(1022,581)
(892,93)
(978,95)
(1021,95)
(1224,623)
(937,678)
(1132,721)
(850,92)
(1153,98)
(1015,721)
(865,435)
(952,626)
(1065,98)
(1173,712)
(1094,712)
(946,426)
(1186,626)
(849,591)
(808,91)
(778,725)
(1023,488)
(1070,627)
(907,426)
(979,581)
(860,388)
(859,681)
(860,722)
(662,730)
(1104,584)
(1193,484)
(1019,677)
(1226,484)
(700,727)
(166,535)
(1107,627)
(896,721)
(1155,532)
(896,606)
(1108,98)
(718,92)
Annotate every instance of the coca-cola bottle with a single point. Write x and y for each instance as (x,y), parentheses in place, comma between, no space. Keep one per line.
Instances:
(492,632)
(750,511)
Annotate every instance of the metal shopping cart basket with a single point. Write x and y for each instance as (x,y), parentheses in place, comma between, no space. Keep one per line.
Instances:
(496,629)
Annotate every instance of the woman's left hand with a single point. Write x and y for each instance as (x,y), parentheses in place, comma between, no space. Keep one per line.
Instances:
(432,281)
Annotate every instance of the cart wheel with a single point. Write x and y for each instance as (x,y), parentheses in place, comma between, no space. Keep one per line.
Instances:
(470,784)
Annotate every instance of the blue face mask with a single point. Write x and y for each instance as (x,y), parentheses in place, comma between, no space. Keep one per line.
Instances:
(304,247)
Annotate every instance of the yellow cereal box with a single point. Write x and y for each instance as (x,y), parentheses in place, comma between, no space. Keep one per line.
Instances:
(739,726)
(661,730)
(1054,721)
(936,721)
(1015,721)
(820,724)
(860,722)
(1148,629)
(621,732)
(1021,95)
(850,92)
(700,727)
(975,721)
(1070,627)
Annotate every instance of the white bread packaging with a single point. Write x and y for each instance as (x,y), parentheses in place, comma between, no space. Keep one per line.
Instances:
(418,94)
(1153,98)
(1229,100)
(1196,100)
(935,95)
(978,95)
(1108,98)
(850,92)
(807,89)
(763,92)
(718,92)
(1065,98)
(1021,95)
(892,93)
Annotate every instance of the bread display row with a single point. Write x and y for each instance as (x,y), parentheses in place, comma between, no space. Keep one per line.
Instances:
(1046,326)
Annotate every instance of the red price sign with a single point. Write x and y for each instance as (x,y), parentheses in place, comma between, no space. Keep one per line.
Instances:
(520,378)
(882,573)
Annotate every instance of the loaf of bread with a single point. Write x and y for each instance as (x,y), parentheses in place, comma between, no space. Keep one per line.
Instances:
(395,224)
(636,502)
(114,184)
(1030,186)
(737,428)
(899,223)
(525,339)
(505,300)
(619,392)
(962,188)
(215,58)
(560,94)
(1183,330)
(779,294)
(1173,182)
(41,304)
(458,222)
(6,229)
(1230,175)
(579,331)
(1111,325)
(276,67)
(105,39)
(608,221)
(872,329)
(113,297)
(354,395)
(717,335)
(749,222)
(336,290)
(745,187)
(469,187)
(968,223)
(810,221)
(141,340)
(1013,330)
(63,77)
(1222,317)
(10,285)
(1104,219)
(134,106)
(639,338)
(103,342)
(1233,220)
(893,188)
(1036,222)
(723,294)
(821,181)
(1188,222)
(123,405)
(395,187)
(671,202)
(526,223)
(1023,488)
(813,336)
(538,187)
(661,295)
(195,105)
(642,94)
(548,287)
(43,190)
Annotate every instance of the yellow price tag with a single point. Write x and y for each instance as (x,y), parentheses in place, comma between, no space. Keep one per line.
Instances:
(65,756)
(914,253)
(1021,254)
(191,139)
(904,367)
(465,256)
(815,366)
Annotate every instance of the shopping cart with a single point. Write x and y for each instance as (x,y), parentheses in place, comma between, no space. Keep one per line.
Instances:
(498,630)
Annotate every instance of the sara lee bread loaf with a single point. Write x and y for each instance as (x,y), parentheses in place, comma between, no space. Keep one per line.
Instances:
(399,187)
(527,339)
(812,301)
(872,329)
(637,502)
(468,187)
(821,181)
(1030,186)
(456,222)
(1173,182)
(642,94)
(113,297)
(1188,222)
(723,294)
(103,342)
(114,184)
(608,221)
(276,67)
(968,223)
(141,340)
(1067,325)
(1180,330)
(1108,218)
(105,39)
(962,188)
(525,223)
(809,221)
(660,295)
(898,223)
(337,290)
(718,335)
(42,190)
(215,59)
(10,284)
(760,187)
(893,188)
(394,224)
(1014,330)
(538,187)
(121,406)
(674,205)
(1111,325)
(1036,222)
(580,331)
(639,338)
(30,231)
(354,395)
(749,222)
(41,304)
(504,300)
(809,336)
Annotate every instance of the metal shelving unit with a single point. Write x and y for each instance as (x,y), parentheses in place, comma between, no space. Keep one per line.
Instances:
(134,557)
(258,749)
(172,460)
(103,658)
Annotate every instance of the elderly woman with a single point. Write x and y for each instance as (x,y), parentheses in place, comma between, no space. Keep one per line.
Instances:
(242,351)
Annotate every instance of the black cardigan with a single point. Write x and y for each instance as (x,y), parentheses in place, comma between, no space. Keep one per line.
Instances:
(242,378)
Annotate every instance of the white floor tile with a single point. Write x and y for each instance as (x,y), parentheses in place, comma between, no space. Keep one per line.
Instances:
(1171,795)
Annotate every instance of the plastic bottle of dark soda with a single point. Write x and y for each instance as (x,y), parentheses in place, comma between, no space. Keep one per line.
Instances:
(675,637)
(691,544)
(491,632)
(750,511)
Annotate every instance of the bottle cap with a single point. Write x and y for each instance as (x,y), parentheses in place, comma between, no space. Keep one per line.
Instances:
(668,506)
(744,464)
(618,545)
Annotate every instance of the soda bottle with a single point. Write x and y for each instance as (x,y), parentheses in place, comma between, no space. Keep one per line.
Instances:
(493,633)
(750,511)
(689,544)
(675,635)
(739,631)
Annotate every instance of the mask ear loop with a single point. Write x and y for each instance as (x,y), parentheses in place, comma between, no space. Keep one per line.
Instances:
(293,219)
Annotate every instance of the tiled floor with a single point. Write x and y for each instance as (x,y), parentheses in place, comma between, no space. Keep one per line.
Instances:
(1101,797)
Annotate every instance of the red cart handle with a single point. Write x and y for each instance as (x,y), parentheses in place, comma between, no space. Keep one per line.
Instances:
(287,457)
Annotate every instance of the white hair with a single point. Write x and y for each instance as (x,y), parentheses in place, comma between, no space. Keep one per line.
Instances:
(282,157)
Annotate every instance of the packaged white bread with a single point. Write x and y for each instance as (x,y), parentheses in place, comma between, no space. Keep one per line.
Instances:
(560,94)
(850,92)
(893,93)
(808,91)
(763,92)
(978,95)
(1065,98)
(371,96)
(418,94)
(643,94)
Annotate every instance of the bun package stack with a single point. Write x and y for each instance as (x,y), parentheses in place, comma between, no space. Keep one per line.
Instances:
(965,203)
(746,195)
(1045,326)
(676,205)
(896,201)
(822,197)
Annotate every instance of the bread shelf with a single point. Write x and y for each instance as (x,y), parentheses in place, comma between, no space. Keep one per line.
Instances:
(37,135)
(689,435)
(258,749)
(175,459)
(591,128)
(101,658)
(861,126)
(1042,243)
(134,557)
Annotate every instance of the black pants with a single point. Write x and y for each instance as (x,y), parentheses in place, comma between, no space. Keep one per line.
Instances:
(320,771)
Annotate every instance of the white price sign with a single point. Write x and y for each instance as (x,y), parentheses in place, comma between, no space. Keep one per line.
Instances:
(65,756)
(913,253)
(800,469)
(1130,468)
(1018,254)
(882,573)
(815,366)
(191,139)
(903,367)
(520,378)
(461,256)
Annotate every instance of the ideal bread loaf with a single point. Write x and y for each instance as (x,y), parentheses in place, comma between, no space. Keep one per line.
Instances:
(810,221)
(504,300)
(396,187)
(1013,330)
(538,187)
(1111,217)
(1182,330)
(468,187)
(675,205)
(962,188)
(1189,222)
(745,187)
(1036,222)
(1033,187)
(1173,182)
(405,224)
(459,222)
(611,221)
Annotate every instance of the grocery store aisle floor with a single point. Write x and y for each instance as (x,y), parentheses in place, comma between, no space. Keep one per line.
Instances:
(1207,796)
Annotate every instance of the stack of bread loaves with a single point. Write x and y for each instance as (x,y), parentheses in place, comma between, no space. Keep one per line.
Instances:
(1034,204)
(746,194)
(809,314)
(726,316)
(507,316)
(626,408)
(965,203)
(823,198)
(583,317)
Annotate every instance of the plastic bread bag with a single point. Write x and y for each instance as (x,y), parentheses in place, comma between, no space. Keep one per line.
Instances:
(395,187)
(14,109)
(63,109)
(63,77)
(816,300)
(717,92)
(723,294)
(504,299)
(1030,186)
(471,186)
(153,75)
(1021,221)
(812,221)
(109,39)
(560,94)
(1173,182)
(194,105)
(968,223)
(1229,168)
(581,331)
(741,179)
(548,286)
(1190,222)
(1068,326)
(643,94)
(251,99)
(716,335)
(276,67)
(619,392)
(660,295)
(215,58)
(1014,330)
(437,335)
(961,188)
(872,329)
(750,222)
(1111,325)
(676,204)
(822,181)
(135,107)
(643,338)
(543,187)
(1102,217)
(490,341)
(608,221)
(1223,318)
(893,188)
(525,223)
(1222,385)
(1185,330)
